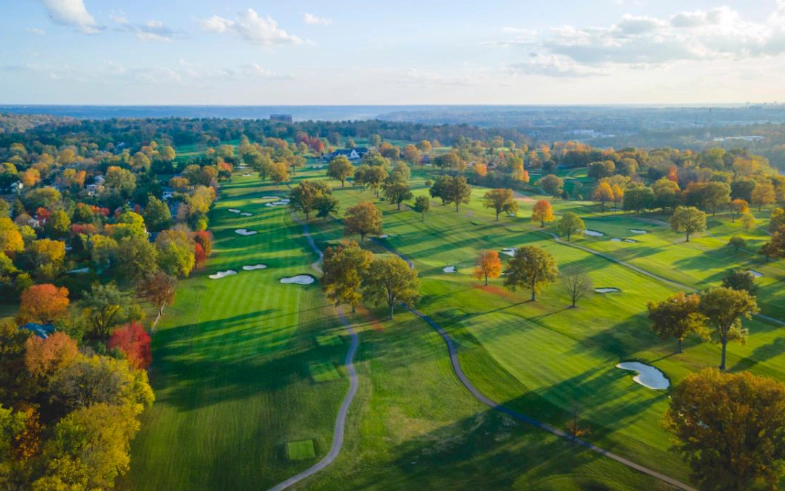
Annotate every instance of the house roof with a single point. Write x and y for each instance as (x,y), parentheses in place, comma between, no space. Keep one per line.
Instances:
(41,330)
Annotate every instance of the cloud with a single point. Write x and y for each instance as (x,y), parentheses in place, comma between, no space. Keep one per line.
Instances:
(635,42)
(316,21)
(256,71)
(72,13)
(251,28)
(150,31)
(36,31)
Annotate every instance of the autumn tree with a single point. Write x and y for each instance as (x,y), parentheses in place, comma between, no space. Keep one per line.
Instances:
(175,253)
(747,221)
(688,220)
(740,279)
(570,224)
(159,289)
(677,317)
(738,243)
(501,201)
(303,198)
(43,304)
(439,189)
(136,257)
(156,215)
(325,205)
(542,212)
(488,265)
(390,280)
(45,357)
(724,309)
(763,194)
(396,190)
(458,192)
(411,154)
(551,185)
(362,219)
(47,257)
(134,342)
(421,205)
(729,428)
(737,207)
(340,169)
(532,267)
(577,283)
(602,194)
(279,172)
(344,267)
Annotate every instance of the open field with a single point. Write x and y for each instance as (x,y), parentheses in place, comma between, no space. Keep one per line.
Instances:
(246,359)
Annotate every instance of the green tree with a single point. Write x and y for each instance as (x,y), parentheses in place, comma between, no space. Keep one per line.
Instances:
(340,169)
(532,267)
(570,224)
(303,197)
(421,205)
(501,201)
(440,188)
(390,280)
(677,317)
(688,220)
(344,267)
(724,309)
(552,185)
(730,428)
(740,279)
(58,225)
(738,243)
(638,198)
(458,192)
(175,253)
(326,204)
(136,257)
(102,307)
(157,215)
(577,283)
(396,191)
(747,221)
(362,219)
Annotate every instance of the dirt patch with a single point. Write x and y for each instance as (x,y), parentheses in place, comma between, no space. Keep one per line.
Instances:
(370,319)
(495,290)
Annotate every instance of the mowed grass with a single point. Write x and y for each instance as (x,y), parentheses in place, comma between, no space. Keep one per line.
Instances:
(301,450)
(232,360)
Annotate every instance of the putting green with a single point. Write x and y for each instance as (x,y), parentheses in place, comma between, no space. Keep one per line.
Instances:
(300,450)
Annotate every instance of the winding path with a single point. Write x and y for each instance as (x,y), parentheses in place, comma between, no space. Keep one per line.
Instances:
(340,420)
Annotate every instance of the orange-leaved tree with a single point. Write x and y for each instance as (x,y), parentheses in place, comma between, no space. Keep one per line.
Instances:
(488,265)
(43,303)
(542,212)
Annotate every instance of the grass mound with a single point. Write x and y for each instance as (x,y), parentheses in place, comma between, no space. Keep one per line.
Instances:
(300,450)
(322,371)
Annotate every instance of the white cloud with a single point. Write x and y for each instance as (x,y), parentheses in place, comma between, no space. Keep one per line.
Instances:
(251,28)
(36,31)
(314,20)
(150,31)
(118,17)
(71,13)
(257,71)
(550,66)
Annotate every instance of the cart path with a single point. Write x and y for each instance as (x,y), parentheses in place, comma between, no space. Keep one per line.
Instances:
(340,420)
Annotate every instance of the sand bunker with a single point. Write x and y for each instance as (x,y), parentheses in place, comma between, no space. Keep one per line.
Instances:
(648,376)
(593,233)
(271,197)
(615,239)
(510,251)
(755,273)
(234,210)
(87,270)
(255,267)
(300,279)
(449,269)
(607,290)
(638,231)
(631,241)
(246,214)
(245,232)
(278,203)
(222,274)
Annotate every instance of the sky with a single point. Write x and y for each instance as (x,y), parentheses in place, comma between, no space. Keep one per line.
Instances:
(247,52)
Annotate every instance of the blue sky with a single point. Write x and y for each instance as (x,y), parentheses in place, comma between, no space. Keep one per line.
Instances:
(402,52)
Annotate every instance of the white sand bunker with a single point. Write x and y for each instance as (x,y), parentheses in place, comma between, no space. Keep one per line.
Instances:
(638,231)
(234,210)
(648,376)
(607,290)
(510,251)
(278,203)
(755,273)
(593,233)
(270,197)
(243,231)
(222,274)
(631,241)
(246,214)
(449,269)
(255,267)
(300,279)
(615,239)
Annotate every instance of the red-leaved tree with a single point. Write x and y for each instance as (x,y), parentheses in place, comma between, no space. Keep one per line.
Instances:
(134,341)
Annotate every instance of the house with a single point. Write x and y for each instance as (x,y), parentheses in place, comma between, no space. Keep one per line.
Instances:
(356,153)
(41,330)
(283,118)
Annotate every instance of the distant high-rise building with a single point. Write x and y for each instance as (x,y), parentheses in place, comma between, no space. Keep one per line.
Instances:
(284,118)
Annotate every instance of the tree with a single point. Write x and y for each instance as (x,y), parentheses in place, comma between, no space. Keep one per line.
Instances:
(134,342)
(390,280)
(440,188)
(777,220)
(362,219)
(602,194)
(47,257)
(325,205)
(740,279)
(303,197)
(501,200)
(279,172)
(488,265)
(424,146)
(730,428)
(43,304)
(159,289)
(570,224)
(344,267)
(552,185)
(458,192)
(136,258)
(737,207)
(102,306)
(411,154)
(175,253)
(737,243)
(374,177)
(666,193)
(717,194)
(677,317)
(58,225)
(45,357)
(747,221)
(600,170)
(577,283)
(688,220)
(396,191)
(421,205)
(542,212)
(638,198)
(340,169)
(763,194)
(156,215)
(532,267)
(724,309)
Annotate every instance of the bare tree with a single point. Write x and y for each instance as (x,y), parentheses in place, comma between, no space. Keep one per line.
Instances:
(577,283)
